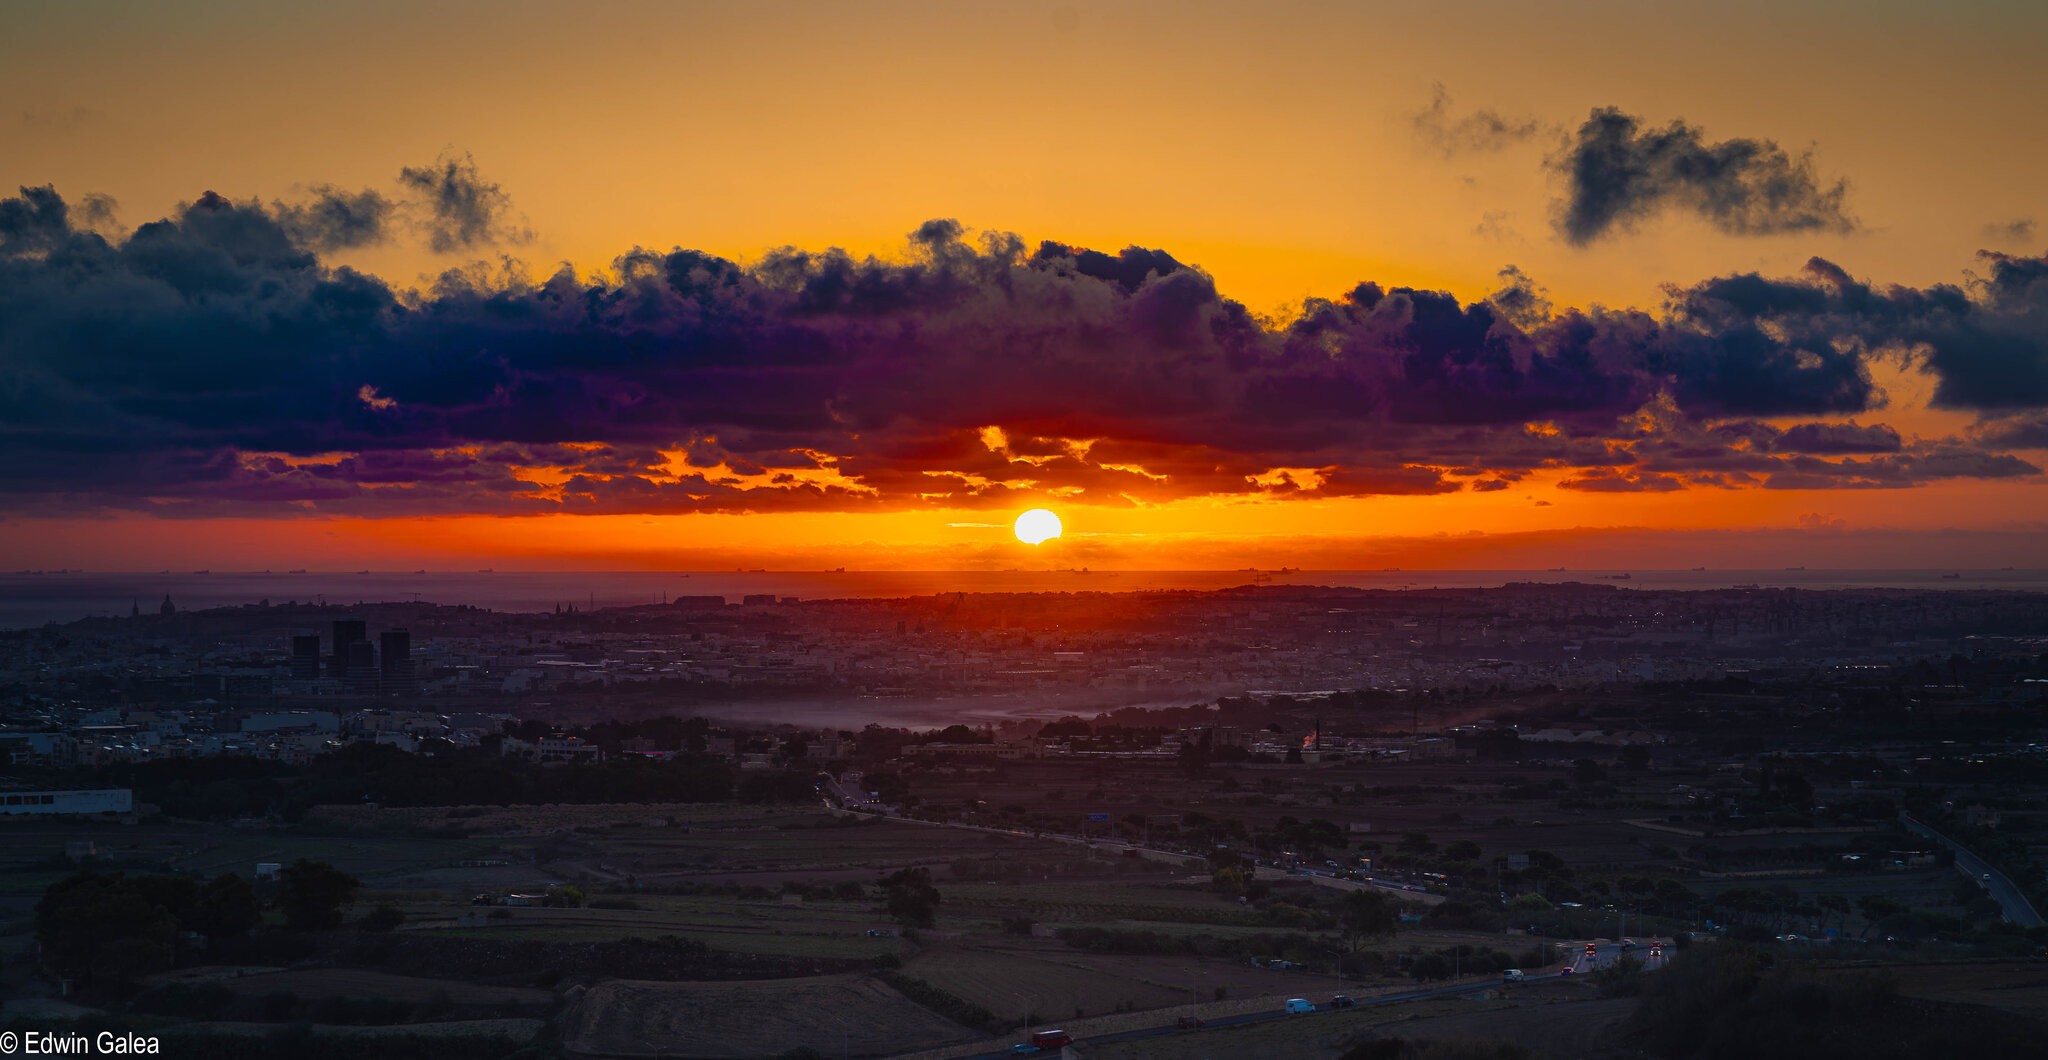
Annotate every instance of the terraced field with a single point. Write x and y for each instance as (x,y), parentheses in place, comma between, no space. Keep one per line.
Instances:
(830,1015)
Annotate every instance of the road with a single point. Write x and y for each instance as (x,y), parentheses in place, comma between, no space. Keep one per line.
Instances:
(1605,953)
(2008,895)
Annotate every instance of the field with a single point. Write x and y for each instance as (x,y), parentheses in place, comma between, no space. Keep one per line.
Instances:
(829,1014)
(2017,987)
(314,984)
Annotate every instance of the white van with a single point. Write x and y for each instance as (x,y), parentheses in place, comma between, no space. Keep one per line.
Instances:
(1513,975)
(1299,1004)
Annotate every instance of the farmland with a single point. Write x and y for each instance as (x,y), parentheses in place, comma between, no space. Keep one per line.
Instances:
(628,1018)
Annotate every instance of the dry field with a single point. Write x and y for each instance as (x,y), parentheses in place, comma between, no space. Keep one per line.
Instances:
(2019,987)
(314,984)
(857,1015)
(1018,977)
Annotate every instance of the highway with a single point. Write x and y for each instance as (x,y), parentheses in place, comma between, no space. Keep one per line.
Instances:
(1605,953)
(2011,900)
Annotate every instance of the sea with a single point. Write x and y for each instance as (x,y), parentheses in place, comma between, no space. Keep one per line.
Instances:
(35,598)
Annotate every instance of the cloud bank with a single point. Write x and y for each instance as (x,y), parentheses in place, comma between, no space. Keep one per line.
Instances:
(213,362)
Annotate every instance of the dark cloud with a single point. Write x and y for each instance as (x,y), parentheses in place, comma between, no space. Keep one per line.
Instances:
(335,219)
(2017,230)
(212,361)
(1987,352)
(1617,173)
(460,210)
(1438,126)
(1836,439)
(1520,299)
(2015,432)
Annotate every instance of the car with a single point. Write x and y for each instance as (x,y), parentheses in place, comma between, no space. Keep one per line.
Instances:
(1190,1022)
(1343,1001)
(1297,1005)
(1567,970)
(1024,1049)
(1986,877)
(1592,949)
(1285,966)
(1513,975)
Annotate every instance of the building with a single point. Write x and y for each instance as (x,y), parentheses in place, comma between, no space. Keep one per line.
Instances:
(395,646)
(968,750)
(347,631)
(107,800)
(52,749)
(360,672)
(290,720)
(306,657)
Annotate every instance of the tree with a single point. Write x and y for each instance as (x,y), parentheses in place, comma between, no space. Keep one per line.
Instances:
(226,906)
(1585,771)
(312,894)
(103,931)
(1367,914)
(1635,756)
(909,896)
(1877,908)
(1837,905)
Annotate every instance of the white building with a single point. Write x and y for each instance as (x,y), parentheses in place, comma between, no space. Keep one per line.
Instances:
(108,800)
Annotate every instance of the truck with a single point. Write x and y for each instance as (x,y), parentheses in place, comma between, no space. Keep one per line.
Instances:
(1042,1040)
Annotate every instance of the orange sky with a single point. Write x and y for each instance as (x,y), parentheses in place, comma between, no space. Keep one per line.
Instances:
(1274,146)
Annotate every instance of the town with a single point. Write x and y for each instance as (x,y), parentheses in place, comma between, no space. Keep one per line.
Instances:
(1095,822)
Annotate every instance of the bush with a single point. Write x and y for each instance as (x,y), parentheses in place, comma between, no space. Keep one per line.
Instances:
(383,918)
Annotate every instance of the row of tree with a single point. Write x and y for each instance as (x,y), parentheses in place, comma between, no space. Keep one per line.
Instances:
(104,931)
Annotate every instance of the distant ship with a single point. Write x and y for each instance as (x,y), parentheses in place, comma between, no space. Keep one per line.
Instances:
(1952,576)
(421,571)
(1621,577)
(1795,568)
(1699,568)
(1555,570)
(301,570)
(202,572)
(483,570)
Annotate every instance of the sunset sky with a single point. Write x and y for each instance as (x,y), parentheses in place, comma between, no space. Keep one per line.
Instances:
(795,285)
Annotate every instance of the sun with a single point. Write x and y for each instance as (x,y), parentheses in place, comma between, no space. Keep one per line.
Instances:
(1037,525)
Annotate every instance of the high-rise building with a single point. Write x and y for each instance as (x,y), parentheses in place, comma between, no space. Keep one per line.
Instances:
(347,631)
(306,657)
(360,674)
(395,647)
